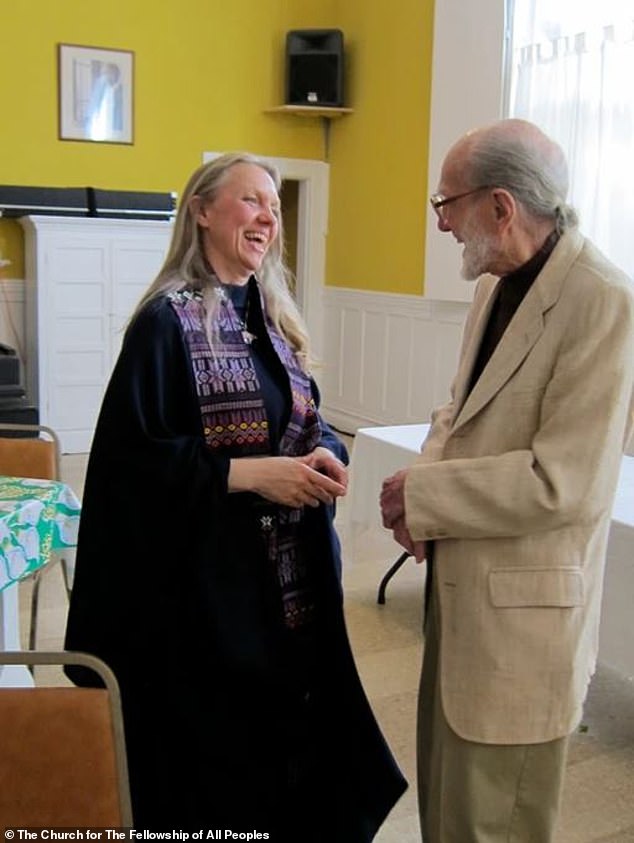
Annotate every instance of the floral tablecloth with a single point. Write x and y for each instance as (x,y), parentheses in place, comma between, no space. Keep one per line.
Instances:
(36,518)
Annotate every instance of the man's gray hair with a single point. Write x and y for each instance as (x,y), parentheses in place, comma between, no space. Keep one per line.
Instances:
(536,174)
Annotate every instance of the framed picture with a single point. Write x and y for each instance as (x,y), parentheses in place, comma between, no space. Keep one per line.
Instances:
(96,87)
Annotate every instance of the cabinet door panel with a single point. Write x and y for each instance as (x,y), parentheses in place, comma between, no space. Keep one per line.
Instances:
(134,266)
(88,276)
(74,412)
(81,298)
(79,262)
(89,367)
(81,332)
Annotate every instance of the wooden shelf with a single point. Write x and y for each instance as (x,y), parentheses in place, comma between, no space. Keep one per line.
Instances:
(326,112)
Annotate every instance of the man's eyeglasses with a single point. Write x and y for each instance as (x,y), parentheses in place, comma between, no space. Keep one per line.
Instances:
(438,201)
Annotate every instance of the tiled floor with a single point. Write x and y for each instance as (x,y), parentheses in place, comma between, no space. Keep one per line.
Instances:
(599,794)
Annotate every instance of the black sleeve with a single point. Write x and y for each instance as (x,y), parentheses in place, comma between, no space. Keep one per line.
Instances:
(329,438)
(154,496)
(150,419)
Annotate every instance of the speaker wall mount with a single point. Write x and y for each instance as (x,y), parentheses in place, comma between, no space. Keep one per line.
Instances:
(326,115)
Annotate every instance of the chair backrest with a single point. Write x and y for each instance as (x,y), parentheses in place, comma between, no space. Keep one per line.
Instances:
(62,750)
(29,450)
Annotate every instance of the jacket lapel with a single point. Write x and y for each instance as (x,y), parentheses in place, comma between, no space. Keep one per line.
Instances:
(520,336)
(522,333)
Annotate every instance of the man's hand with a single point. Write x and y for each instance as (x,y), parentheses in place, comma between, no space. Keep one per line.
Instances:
(393,514)
(402,535)
(393,499)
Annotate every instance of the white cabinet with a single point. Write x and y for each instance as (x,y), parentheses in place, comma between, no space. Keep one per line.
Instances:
(84,277)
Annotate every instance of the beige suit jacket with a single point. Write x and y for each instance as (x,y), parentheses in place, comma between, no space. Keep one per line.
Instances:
(515,483)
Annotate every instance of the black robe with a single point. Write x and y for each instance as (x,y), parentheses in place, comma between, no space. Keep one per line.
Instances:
(231,721)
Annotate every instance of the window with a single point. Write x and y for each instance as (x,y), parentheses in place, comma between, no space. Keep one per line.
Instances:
(572,73)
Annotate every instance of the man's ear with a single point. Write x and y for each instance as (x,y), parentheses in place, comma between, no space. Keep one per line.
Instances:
(504,206)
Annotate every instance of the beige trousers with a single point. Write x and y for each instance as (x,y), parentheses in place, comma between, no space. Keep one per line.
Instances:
(480,793)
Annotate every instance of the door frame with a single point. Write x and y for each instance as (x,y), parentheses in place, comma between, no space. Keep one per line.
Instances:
(312,229)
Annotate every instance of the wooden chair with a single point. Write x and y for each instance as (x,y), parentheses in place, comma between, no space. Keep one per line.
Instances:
(32,450)
(62,750)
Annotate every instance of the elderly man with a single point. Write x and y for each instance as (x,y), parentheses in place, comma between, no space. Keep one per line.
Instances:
(510,499)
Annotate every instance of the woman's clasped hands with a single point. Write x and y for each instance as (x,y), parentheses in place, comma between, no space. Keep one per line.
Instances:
(318,477)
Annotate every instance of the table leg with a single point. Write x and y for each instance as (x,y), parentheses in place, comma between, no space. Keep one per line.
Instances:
(11,676)
(399,562)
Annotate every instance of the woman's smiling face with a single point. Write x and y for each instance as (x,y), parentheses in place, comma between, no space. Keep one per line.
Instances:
(240,223)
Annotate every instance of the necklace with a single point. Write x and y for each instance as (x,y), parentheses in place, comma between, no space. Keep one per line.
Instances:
(241,300)
(247,336)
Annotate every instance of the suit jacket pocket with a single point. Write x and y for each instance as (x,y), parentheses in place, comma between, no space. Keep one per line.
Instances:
(515,587)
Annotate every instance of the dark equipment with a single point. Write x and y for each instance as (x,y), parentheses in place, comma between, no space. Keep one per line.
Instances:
(314,67)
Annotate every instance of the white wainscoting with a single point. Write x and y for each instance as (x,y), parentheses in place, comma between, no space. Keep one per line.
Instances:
(388,359)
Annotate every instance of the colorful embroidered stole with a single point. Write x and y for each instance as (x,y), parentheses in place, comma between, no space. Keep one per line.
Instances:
(234,421)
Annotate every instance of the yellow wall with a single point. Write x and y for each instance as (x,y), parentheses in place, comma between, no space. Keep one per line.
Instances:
(379,154)
(205,71)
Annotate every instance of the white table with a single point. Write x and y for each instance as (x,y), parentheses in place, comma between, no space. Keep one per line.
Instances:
(379,452)
(616,639)
(623,509)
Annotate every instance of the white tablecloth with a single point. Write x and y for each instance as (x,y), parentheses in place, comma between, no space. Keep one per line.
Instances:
(623,510)
(36,518)
(377,453)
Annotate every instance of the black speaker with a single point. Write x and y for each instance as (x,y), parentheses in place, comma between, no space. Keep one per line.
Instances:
(314,67)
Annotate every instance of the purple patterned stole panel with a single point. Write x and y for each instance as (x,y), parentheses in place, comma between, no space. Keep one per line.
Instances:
(231,404)
(234,420)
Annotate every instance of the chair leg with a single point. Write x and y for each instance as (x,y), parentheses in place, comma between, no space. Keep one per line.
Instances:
(35,598)
(66,575)
(35,595)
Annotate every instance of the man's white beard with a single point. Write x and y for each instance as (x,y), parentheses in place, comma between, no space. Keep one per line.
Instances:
(476,257)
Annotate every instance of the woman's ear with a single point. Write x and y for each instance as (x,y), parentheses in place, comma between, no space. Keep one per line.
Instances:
(196,209)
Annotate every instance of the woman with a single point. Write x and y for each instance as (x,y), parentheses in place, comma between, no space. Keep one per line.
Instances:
(207,570)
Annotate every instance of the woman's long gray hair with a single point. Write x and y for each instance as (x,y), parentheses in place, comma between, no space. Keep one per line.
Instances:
(519,157)
(187,266)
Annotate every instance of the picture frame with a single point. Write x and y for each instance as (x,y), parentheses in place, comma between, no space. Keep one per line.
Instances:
(96,94)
